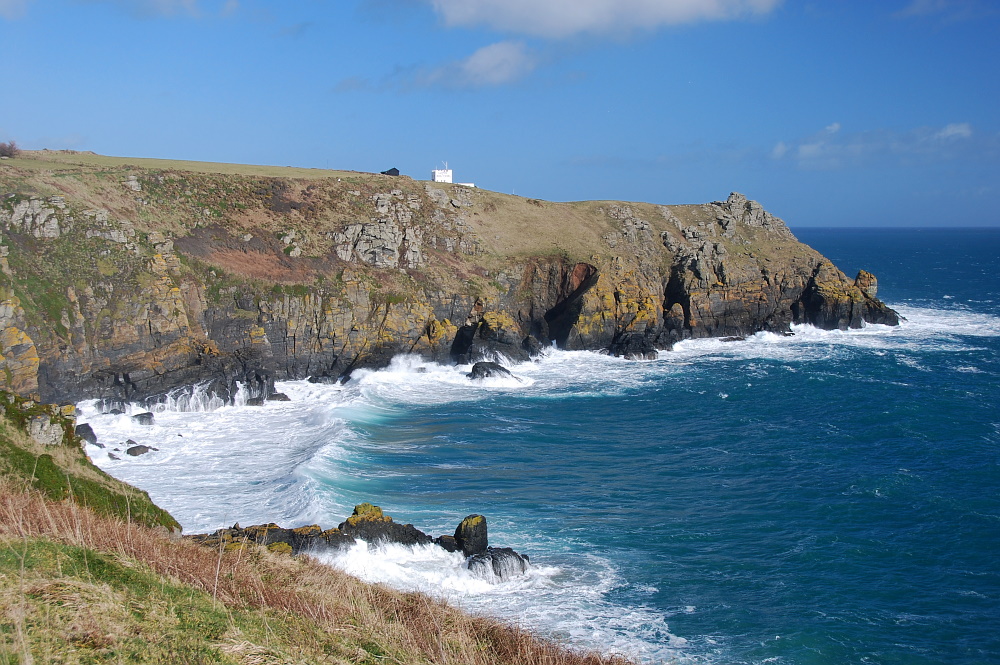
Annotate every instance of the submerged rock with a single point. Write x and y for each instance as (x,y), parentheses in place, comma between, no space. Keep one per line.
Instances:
(498,564)
(488,370)
(137,450)
(633,346)
(145,418)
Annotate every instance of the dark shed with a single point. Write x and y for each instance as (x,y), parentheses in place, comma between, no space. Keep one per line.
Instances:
(392,171)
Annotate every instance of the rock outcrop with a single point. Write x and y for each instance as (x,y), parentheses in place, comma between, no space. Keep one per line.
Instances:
(369,524)
(144,285)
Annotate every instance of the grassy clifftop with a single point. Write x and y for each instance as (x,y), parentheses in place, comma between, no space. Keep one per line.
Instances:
(126,278)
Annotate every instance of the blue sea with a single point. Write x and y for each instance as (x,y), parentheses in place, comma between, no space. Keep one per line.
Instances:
(826,498)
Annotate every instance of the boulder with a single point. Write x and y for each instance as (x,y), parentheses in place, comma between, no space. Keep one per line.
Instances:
(86,432)
(279,397)
(370,525)
(498,564)
(255,401)
(532,346)
(145,418)
(44,431)
(137,450)
(632,346)
(488,370)
(471,535)
(448,543)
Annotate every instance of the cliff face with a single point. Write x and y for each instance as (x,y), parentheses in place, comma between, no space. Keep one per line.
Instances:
(125,281)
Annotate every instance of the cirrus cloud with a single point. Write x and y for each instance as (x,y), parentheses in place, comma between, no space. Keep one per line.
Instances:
(566,18)
(830,148)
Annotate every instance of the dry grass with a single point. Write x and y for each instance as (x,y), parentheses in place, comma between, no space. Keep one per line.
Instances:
(373,623)
(60,160)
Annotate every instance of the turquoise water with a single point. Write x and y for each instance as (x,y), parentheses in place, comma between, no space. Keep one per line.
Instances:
(825,498)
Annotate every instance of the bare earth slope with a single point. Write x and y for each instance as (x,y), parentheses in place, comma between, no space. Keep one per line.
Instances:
(127,278)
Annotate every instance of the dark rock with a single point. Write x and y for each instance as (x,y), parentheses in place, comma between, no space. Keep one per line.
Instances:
(498,564)
(279,397)
(370,525)
(737,338)
(116,412)
(309,538)
(471,535)
(532,346)
(143,418)
(86,432)
(448,542)
(337,539)
(135,451)
(113,456)
(255,401)
(633,346)
(487,370)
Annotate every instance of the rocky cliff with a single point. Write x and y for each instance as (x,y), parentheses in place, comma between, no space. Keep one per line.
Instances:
(128,280)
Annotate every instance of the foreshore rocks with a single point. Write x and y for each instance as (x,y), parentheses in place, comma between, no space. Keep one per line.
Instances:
(218,284)
(369,524)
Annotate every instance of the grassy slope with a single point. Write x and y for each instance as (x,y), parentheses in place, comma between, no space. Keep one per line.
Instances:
(76,587)
(88,575)
(65,472)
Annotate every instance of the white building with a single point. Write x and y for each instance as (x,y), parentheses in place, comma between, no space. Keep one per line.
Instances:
(444,175)
(441,175)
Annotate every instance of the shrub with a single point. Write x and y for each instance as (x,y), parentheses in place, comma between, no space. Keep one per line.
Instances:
(9,149)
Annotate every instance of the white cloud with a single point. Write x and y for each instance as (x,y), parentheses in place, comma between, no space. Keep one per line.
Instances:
(831,149)
(493,65)
(565,18)
(956,130)
(12,9)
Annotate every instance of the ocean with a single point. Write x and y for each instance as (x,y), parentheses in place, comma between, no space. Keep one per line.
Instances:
(825,498)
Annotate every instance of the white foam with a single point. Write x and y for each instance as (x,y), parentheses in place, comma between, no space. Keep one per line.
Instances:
(569,604)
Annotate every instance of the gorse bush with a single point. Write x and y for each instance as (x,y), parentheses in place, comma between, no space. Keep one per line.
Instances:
(9,149)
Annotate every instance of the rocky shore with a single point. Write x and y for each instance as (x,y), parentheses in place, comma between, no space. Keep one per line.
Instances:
(370,525)
(129,283)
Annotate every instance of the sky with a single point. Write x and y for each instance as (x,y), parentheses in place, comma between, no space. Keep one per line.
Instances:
(828,112)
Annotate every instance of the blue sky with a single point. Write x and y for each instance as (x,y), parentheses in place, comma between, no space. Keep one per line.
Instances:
(835,112)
